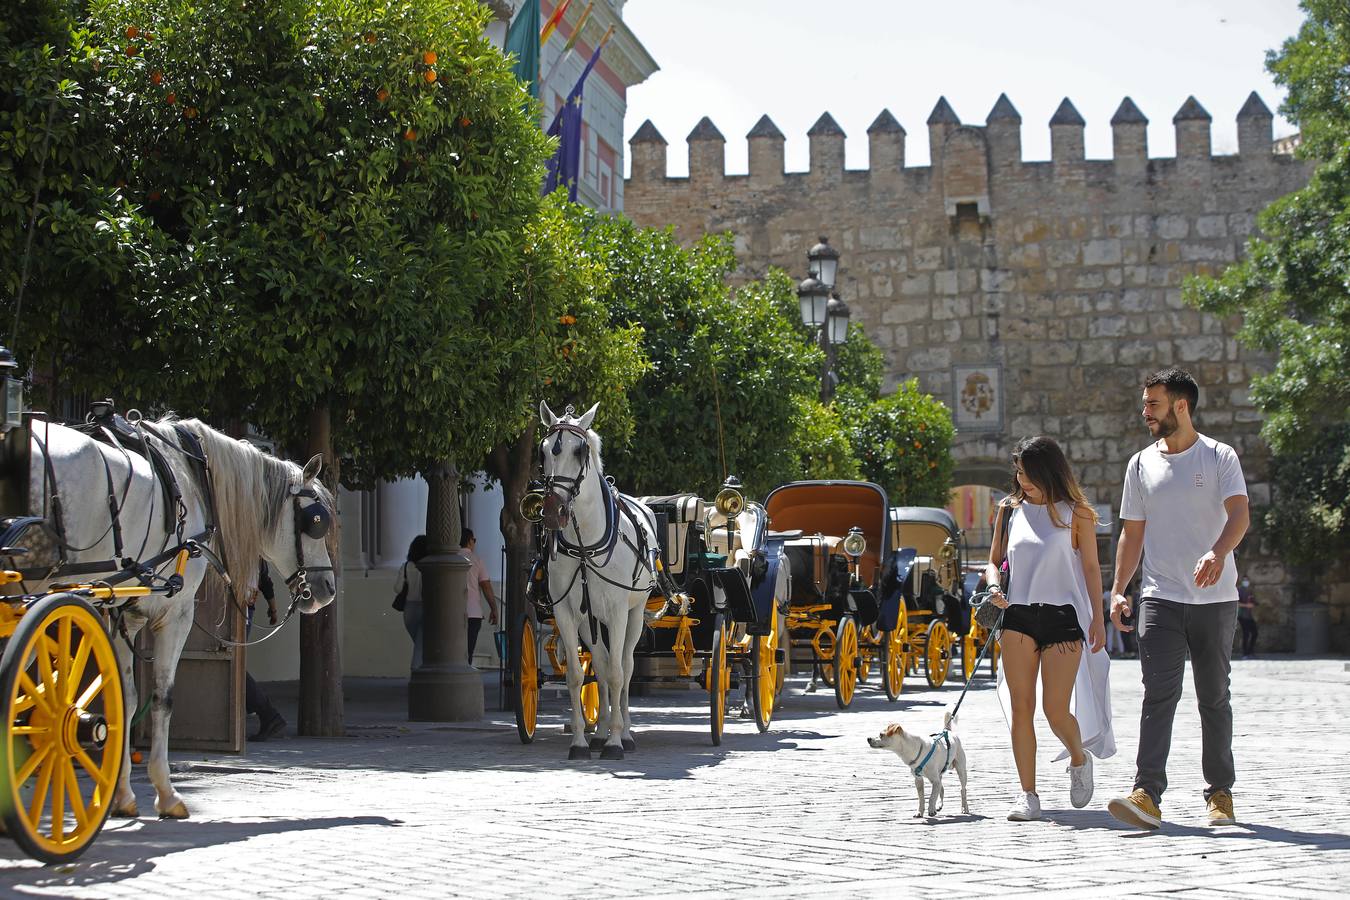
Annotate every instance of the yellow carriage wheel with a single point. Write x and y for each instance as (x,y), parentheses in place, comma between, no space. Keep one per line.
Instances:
(824,645)
(868,639)
(783,642)
(65,728)
(590,694)
(993,658)
(764,658)
(845,661)
(527,681)
(937,660)
(893,660)
(719,678)
(970,649)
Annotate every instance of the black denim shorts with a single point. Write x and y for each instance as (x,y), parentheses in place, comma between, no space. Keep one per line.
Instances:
(1045,623)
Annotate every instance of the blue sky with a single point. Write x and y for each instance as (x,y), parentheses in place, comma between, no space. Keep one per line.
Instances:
(734,60)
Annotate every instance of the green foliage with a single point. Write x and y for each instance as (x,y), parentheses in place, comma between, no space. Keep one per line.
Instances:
(1293,289)
(903,442)
(725,373)
(345,192)
(1308,516)
(822,438)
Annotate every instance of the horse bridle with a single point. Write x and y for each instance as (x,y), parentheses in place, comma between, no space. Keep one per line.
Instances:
(571,486)
(312,520)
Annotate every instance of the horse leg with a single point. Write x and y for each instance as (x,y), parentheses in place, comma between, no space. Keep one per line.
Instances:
(171,632)
(600,662)
(571,649)
(124,799)
(635,615)
(615,674)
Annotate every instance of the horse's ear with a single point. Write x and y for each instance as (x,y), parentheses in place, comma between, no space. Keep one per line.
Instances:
(546,416)
(312,468)
(588,417)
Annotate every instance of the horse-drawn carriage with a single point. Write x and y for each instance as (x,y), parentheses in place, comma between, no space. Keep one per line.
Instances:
(842,614)
(107,529)
(929,567)
(616,578)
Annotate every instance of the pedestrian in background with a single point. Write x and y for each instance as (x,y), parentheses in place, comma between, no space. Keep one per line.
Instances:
(1184,508)
(256,702)
(481,601)
(1052,611)
(1247,617)
(411,577)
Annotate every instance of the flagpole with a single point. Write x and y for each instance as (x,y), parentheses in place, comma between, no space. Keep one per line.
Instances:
(568,50)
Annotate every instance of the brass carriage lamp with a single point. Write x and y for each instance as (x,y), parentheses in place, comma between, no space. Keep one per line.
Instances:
(855,543)
(532,504)
(730,501)
(11,393)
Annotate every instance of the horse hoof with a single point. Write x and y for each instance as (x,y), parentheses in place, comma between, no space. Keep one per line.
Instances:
(611,752)
(126,811)
(178,811)
(597,743)
(629,744)
(579,753)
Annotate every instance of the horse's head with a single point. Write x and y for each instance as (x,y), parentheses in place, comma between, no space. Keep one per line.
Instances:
(569,451)
(300,540)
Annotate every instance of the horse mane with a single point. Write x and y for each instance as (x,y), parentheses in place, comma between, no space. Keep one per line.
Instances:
(252,490)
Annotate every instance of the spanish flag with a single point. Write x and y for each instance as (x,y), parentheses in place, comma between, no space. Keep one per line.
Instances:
(553,21)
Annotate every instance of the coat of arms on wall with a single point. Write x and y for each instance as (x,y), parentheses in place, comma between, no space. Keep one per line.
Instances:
(978,404)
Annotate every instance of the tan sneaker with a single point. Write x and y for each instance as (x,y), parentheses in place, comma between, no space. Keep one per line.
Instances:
(1138,809)
(1220,806)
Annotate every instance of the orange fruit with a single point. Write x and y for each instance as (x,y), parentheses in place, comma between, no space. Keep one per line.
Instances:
(131,50)
(410,134)
(171,98)
(190,112)
(156,77)
(133,32)
(465,121)
(429,58)
(381,95)
(370,37)
(429,75)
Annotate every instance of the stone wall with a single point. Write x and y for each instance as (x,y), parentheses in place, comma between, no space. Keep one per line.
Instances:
(1044,289)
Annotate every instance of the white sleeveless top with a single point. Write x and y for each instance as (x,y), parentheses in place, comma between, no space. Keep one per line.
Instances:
(1044,565)
(1045,568)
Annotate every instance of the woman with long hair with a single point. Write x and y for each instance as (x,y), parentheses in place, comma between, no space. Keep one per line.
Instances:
(411,576)
(1052,610)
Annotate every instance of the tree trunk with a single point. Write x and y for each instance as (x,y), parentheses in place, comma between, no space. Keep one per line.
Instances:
(320,635)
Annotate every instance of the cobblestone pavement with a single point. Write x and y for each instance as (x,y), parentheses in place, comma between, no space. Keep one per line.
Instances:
(422,810)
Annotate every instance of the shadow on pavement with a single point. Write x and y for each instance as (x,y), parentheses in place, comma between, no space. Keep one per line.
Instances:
(125,848)
(1100,820)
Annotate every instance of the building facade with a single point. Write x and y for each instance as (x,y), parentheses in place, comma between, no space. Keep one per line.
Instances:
(378,525)
(1032,297)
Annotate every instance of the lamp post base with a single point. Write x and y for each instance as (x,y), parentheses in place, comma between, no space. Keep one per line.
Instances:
(445,693)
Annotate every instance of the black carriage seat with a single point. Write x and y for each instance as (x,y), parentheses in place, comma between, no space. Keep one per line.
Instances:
(807,556)
(679,513)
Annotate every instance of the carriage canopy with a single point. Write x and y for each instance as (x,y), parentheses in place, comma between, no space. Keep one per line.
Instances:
(832,508)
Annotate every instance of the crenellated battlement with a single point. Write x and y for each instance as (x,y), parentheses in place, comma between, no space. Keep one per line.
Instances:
(954,145)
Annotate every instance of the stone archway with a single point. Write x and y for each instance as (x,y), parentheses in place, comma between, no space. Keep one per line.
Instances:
(976,487)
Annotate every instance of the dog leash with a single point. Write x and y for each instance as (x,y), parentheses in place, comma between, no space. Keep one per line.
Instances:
(993,632)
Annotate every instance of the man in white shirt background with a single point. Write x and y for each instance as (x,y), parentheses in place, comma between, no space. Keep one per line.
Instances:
(1184,508)
(481,601)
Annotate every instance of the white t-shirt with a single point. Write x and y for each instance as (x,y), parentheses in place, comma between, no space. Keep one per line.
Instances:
(476,606)
(1180,498)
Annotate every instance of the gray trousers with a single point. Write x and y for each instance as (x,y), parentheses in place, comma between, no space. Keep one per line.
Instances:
(1167,630)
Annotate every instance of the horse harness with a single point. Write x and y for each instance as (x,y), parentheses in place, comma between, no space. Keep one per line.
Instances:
(617,507)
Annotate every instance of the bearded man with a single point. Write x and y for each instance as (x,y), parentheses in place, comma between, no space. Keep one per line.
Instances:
(1184,508)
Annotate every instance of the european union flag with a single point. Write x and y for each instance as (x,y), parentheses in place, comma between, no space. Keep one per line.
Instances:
(565,166)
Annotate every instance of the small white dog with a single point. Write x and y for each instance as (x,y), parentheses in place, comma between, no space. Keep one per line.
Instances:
(927,758)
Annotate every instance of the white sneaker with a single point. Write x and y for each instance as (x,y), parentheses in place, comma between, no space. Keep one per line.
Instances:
(1080,782)
(1025,810)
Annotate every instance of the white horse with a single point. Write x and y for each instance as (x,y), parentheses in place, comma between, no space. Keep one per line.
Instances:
(263,507)
(601,577)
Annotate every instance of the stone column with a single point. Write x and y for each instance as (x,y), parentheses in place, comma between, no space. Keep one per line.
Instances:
(446,688)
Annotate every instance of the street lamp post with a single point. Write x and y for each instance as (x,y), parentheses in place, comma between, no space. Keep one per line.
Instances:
(822,310)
